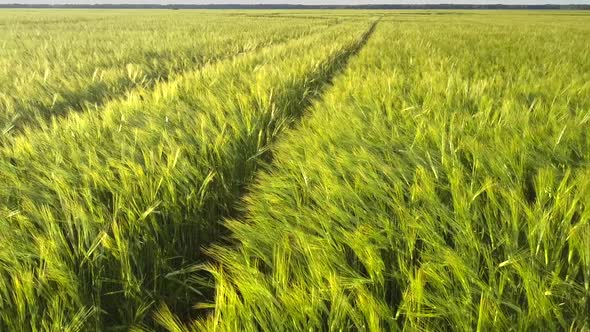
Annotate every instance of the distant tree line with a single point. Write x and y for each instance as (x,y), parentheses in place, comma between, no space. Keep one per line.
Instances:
(286,6)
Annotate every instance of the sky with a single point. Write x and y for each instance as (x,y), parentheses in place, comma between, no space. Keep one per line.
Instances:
(305,2)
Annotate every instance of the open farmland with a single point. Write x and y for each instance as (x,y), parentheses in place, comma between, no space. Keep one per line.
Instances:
(294,170)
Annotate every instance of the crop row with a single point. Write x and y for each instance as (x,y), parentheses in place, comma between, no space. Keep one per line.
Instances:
(59,67)
(101,211)
(443,183)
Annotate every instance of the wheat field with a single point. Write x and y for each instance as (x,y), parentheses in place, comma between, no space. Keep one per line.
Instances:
(282,170)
